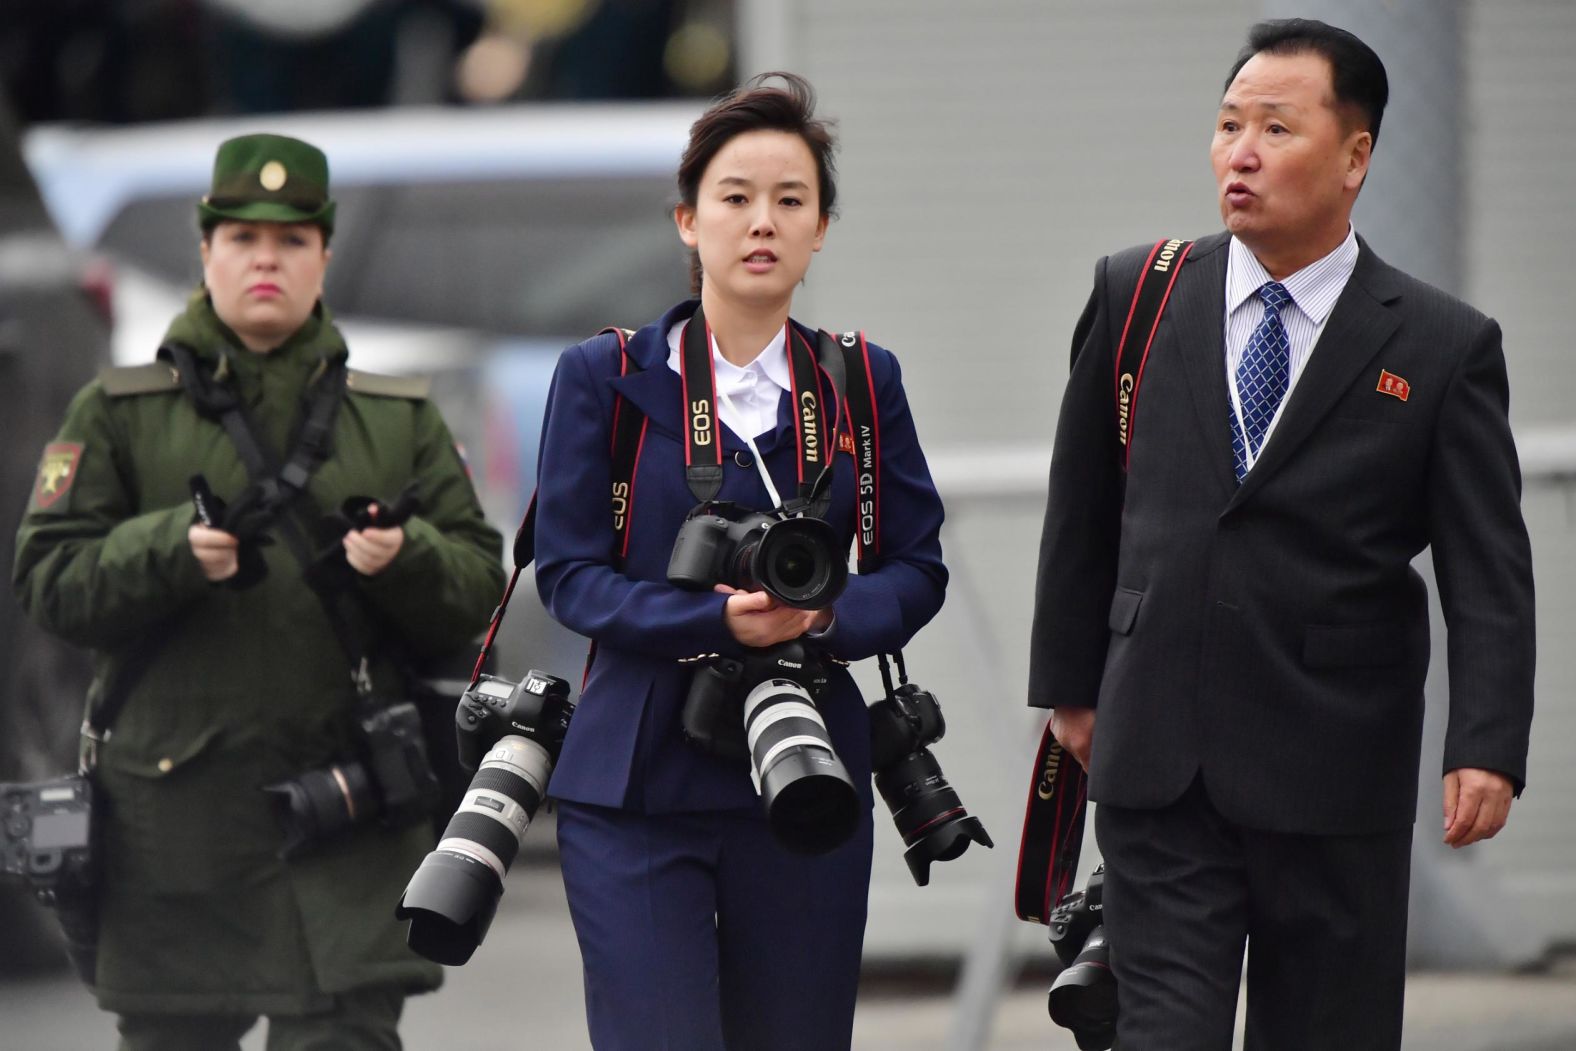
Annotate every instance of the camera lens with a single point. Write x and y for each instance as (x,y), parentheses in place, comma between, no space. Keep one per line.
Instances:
(810,801)
(798,561)
(930,817)
(321,803)
(1083,996)
(452,897)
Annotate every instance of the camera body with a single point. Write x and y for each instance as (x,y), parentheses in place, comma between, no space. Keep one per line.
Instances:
(929,816)
(1076,917)
(797,560)
(537,708)
(391,780)
(762,709)
(46,837)
(1083,996)
(46,846)
(713,716)
(906,720)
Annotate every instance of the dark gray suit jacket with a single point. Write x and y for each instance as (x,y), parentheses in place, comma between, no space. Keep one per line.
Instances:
(1274,634)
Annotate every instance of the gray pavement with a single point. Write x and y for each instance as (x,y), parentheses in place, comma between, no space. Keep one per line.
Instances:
(522,990)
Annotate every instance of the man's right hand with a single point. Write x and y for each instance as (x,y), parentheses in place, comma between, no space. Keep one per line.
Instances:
(216,551)
(1073,728)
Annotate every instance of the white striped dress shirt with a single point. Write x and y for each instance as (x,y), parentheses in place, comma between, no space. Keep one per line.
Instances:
(1313,290)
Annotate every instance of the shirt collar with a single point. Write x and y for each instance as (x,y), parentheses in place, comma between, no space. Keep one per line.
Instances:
(772,361)
(1314,289)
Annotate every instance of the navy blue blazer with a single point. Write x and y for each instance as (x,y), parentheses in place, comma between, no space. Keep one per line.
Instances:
(626,747)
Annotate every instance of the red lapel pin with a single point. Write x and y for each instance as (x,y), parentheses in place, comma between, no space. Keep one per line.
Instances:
(1393,385)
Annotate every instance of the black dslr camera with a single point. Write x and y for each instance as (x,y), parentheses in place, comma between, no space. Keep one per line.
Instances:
(764,708)
(796,560)
(928,813)
(1083,996)
(46,847)
(511,735)
(390,780)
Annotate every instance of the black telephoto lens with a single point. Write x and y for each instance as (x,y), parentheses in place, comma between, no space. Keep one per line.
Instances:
(1083,996)
(930,817)
(321,803)
(810,800)
(451,899)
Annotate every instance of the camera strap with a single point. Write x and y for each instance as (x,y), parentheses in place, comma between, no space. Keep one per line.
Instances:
(846,359)
(703,444)
(628,439)
(1053,823)
(1155,282)
(282,486)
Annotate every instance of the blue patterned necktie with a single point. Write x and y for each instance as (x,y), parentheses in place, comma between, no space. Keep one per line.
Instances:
(1262,376)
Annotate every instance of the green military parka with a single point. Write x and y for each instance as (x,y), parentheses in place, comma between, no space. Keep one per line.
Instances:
(250,687)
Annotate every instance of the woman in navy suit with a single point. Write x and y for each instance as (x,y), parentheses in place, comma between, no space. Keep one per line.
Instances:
(698,930)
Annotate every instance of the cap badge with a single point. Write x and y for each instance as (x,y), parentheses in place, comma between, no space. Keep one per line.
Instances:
(1393,385)
(272,176)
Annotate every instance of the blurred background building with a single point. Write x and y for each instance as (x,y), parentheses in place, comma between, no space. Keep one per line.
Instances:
(505,170)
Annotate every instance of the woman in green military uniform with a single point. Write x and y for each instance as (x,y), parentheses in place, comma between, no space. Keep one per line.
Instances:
(239,677)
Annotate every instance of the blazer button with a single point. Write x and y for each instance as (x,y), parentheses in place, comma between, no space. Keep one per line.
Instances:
(742,458)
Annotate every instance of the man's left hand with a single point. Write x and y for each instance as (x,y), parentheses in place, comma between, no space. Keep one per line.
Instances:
(369,551)
(1477,804)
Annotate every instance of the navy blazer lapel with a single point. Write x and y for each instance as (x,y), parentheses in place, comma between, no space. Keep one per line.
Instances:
(1198,337)
(656,390)
(1359,326)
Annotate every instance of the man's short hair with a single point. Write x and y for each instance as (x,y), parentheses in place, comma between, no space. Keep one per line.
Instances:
(1356,73)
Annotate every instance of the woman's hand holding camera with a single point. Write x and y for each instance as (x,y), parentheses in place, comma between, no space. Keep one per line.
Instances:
(756,619)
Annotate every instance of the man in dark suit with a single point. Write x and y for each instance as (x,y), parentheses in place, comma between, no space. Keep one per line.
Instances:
(1240,608)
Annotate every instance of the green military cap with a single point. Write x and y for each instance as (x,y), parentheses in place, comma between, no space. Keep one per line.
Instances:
(268,178)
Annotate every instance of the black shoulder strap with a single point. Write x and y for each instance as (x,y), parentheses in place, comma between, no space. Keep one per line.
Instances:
(629,436)
(1155,282)
(281,486)
(846,359)
(217,401)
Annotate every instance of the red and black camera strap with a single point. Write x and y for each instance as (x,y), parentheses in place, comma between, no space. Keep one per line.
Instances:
(1155,283)
(1053,822)
(850,354)
(1053,818)
(703,445)
(628,438)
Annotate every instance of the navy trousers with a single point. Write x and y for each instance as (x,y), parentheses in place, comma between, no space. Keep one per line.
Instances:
(698,932)
(1323,919)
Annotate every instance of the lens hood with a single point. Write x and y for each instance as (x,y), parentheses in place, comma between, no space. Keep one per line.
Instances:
(450,903)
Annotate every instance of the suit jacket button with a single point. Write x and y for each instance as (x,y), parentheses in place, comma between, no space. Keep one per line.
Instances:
(742,458)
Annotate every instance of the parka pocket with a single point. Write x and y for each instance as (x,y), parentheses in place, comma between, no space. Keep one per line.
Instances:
(188,821)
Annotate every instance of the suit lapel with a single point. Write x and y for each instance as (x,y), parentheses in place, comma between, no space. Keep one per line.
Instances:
(1198,338)
(1359,326)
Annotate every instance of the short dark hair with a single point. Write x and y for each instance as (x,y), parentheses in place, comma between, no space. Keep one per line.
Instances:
(1356,73)
(756,106)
